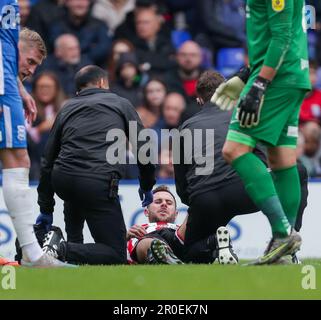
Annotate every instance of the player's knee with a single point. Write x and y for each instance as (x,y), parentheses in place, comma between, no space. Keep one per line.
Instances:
(15,158)
(228,153)
(282,161)
(22,159)
(141,249)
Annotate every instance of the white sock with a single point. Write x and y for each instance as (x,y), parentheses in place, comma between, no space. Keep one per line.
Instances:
(31,252)
(18,199)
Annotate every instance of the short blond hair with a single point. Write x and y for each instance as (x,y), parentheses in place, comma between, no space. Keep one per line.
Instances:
(32,38)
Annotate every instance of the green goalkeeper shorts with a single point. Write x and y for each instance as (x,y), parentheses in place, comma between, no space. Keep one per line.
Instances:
(279,120)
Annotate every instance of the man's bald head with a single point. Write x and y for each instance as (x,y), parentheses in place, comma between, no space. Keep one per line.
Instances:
(91,77)
(174,105)
(189,56)
(67,48)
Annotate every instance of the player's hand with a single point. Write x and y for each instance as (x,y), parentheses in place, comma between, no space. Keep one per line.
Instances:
(227,94)
(30,107)
(249,108)
(146,197)
(136,231)
(45,219)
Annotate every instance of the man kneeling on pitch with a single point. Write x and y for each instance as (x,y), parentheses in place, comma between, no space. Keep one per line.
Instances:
(161,241)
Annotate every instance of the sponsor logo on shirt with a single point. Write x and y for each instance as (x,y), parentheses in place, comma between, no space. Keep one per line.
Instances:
(304,64)
(9,17)
(278,5)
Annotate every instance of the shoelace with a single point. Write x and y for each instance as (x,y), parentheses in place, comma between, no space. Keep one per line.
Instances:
(50,251)
(47,237)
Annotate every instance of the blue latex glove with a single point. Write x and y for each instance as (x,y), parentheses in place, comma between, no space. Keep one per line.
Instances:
(46,219)
(146,197)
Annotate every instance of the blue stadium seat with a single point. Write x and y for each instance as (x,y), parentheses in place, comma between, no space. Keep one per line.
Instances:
(207,58)
(318,84)
(229,60)
(179,37)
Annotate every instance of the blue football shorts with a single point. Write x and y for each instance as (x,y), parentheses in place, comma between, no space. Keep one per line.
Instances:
(12,122)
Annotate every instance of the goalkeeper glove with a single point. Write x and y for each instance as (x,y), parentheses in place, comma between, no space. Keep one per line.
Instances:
(249,108)
(45,219)
(146,197)
(227,94)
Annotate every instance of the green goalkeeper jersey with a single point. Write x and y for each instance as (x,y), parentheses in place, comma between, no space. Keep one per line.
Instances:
(277,38)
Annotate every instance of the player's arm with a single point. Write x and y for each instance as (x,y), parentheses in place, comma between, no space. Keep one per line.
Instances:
(45,190)
(280,26)
(29,103)
(181,231)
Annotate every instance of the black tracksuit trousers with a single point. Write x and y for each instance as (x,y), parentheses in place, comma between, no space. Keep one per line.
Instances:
(88,199)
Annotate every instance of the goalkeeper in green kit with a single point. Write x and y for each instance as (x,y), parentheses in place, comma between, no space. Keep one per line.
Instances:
(269,95)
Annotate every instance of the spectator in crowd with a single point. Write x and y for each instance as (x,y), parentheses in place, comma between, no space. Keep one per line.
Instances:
(42,16)
(128,78)
(91,32)
(183,79)
(182,10)
(311,106)
(154,93)
(174,106)
(119,46)
(49,98)
(154,49)
(66,61)
(24,6)
(221,23)
(127,28)
(112,12)
(311,132)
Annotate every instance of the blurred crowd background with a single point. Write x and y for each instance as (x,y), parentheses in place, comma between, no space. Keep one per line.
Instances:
(154,51)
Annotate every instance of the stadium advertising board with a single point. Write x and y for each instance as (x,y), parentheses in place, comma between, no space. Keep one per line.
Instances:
(249,233)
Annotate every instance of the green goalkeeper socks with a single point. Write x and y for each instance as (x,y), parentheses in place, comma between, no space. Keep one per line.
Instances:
(260,187)
(287,185)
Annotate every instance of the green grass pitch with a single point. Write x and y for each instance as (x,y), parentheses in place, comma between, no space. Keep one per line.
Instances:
(165,282)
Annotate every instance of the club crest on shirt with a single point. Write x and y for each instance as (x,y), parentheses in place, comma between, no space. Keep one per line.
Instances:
(278,5)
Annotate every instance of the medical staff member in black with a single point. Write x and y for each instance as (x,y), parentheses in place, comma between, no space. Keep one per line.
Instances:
(216,198)
(76,167)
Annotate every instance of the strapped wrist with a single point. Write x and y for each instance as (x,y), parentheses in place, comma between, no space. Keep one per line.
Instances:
(261,83)
(244,74)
